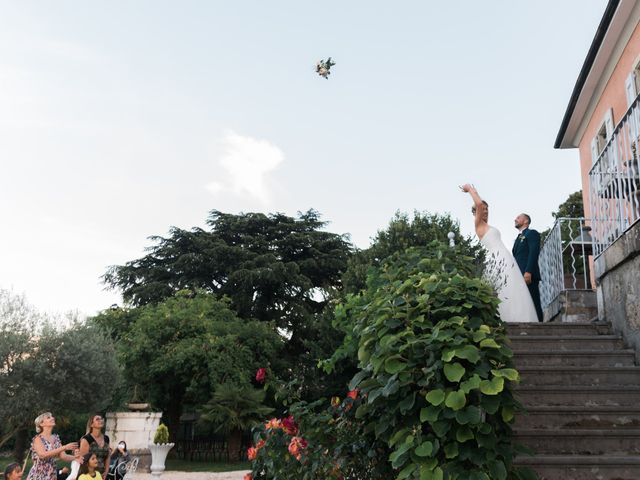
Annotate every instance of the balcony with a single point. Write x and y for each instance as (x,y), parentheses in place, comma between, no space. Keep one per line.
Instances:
(614,183)
(565,286)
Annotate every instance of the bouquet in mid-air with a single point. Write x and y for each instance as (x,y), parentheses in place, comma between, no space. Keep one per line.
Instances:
(323,67)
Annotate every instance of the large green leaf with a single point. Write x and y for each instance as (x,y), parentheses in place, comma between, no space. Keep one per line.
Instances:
(471,383)
(395,364)
(468,352)
(429,414)
(425,449)
(508,373)
(454,371)
(456,400)
(493,386)
(435,474)
(464,433)
(471,414)
(489,343)
(407,471)
(435,397)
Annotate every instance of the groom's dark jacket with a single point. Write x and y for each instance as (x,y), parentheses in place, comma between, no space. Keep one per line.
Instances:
(526,250)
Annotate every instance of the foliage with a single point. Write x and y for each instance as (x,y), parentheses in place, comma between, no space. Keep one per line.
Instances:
(235,407)
(572,207)
(272,267)
(433,398)
(178,351)
(44,368)
(402,233)
(162,435)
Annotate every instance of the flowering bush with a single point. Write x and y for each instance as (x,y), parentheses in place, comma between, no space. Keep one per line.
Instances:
(433,397)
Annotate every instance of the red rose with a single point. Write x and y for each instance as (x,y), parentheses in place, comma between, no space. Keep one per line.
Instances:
(261,374)
(353,394)
(290,426)
(260,444)
(252,453)
(248,476)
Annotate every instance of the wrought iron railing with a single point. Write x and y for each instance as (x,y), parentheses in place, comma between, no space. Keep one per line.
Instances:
(614,182)
(564,259)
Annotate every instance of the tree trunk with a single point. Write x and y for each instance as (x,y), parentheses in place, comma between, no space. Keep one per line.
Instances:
(21,445)
(234,444)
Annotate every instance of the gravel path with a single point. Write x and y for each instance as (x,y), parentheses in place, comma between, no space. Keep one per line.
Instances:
(172,475)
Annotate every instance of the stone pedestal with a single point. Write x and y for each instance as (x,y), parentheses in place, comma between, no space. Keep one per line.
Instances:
(137,430)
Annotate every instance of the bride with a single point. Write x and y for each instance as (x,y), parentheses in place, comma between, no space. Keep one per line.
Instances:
(501,269)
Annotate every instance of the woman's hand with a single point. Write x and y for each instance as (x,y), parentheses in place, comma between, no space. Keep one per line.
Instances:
(466,188)
(70,446)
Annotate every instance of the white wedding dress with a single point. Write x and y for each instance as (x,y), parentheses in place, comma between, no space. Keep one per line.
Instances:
(503,273)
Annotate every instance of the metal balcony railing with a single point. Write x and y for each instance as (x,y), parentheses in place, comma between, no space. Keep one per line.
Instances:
(614,183)
(564,259)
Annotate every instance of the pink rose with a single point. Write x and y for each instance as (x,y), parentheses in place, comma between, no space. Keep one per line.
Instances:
(261,375)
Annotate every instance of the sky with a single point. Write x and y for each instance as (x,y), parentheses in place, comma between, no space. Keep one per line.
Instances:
(121,119)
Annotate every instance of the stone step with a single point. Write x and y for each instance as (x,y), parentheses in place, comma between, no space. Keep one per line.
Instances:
(583,467)
(537,395)
(594,358)
(555,329)
(581,441)
(566,342)
(584,376)
(561,417)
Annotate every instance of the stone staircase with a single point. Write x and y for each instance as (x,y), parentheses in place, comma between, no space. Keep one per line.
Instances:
(581,389)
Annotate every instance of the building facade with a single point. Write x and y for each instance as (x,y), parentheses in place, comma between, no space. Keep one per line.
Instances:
(602,121)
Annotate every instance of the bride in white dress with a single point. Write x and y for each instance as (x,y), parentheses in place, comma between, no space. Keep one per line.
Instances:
(502,270)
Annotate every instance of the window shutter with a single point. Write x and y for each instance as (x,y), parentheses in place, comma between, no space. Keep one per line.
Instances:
(608,123)
(630,88)
(594,150)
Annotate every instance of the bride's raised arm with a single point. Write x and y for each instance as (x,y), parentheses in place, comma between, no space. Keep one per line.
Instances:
(480,210)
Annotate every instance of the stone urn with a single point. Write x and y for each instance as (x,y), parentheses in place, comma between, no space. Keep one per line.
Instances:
(159,453)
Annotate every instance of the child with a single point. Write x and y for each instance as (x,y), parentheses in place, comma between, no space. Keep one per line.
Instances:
(88,469)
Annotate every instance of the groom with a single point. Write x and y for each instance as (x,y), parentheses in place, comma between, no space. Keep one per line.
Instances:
(526,250)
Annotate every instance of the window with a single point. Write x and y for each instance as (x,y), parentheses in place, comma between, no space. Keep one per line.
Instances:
(602,136)
(632,84)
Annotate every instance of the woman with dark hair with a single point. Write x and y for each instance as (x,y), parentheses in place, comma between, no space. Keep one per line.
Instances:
(119,460)
(46,448)
(89,468)
(501,269)
(97,442)
(13,472)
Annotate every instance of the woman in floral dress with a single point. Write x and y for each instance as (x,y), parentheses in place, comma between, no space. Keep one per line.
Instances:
(46,448)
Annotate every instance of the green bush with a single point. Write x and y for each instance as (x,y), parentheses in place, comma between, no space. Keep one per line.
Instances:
(433,397)
(162,434)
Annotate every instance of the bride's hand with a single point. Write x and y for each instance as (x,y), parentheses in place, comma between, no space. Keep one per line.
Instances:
(466,187)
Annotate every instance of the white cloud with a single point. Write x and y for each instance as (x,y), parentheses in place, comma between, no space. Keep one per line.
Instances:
(245,164)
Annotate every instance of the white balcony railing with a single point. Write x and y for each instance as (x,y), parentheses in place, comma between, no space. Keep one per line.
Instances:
(614,183)
(564,260)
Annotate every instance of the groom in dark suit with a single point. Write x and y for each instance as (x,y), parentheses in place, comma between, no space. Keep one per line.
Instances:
(526,250)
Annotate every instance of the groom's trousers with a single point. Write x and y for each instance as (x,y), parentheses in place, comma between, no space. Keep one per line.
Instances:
(535,296)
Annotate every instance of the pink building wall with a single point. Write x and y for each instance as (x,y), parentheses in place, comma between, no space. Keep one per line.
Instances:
(614,96)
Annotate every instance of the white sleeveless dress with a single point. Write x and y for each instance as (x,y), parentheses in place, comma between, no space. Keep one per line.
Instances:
(503,273)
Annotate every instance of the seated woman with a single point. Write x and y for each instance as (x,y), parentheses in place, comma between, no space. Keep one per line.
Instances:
(119,460)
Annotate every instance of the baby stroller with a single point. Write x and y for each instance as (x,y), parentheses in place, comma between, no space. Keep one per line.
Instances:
(122,468)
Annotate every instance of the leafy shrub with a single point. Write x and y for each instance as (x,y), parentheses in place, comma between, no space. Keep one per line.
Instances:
(162,435)
(432,399)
